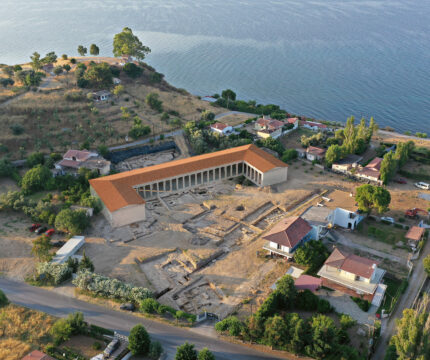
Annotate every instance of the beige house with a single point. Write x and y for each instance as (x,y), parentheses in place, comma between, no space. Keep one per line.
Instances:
(124,194)
(414,235)
(353,275)
(347,163)
(73,160)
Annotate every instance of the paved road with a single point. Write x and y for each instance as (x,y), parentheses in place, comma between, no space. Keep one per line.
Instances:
(145,141)
(170,336)
(405,302)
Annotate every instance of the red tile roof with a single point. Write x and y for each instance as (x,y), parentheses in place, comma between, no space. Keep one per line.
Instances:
(219,126)
(275,124)
(289,232)
(351,263)
(316,151)
(116,191)
(415,233)
(80,155)
(307,282)
(263,121)
(292,120)
(374,164)
(311,123)
(69,163)
(37,355)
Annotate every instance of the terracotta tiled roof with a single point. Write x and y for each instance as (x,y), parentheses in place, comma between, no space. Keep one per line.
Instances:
(289,232)
(415,233)
(219,126)
(307,282)
(69,163)
(351,263)
(311,123)
(37,355)
(263,121)
(374,164)
(80,155)
(315,151)
(369,172)
(116,191)
(292,120)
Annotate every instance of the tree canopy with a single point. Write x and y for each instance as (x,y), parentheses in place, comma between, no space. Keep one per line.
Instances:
(99,75)
(71,221)
(426,263)
(126,43)
(36,62)
(371,197)
(94,50)
(228,94)
(186,351)
(36,179)
(139,340)
(82,50)
(205,354)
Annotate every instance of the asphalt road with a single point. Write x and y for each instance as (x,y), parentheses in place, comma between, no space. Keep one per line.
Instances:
(388,325)
(170,336)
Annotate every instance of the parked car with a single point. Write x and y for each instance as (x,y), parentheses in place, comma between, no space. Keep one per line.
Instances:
(388,219)
(400,181)
(58,243)
(34,227)
(422,185)
(41,230)
(50,232)
(127,306)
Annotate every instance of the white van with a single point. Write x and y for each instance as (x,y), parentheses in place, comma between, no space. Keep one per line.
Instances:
(422,185)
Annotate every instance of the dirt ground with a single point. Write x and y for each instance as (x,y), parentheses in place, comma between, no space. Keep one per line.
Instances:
(234,119)
(83,345)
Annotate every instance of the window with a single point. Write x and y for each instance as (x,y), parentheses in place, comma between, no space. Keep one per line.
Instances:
(278,246)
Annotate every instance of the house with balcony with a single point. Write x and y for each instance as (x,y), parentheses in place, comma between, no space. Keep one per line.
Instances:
(346,164)
(73,160)
(267,127)
(371,171)
(287,235)
(345,218)
(353,275)
(222,129)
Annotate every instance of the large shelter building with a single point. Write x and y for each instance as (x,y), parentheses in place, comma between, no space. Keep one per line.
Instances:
(123,195)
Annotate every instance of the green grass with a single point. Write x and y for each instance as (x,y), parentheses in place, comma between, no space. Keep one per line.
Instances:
(392,294)
(39,195)
(382,232)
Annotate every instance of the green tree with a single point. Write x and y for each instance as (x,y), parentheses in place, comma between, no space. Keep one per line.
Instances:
(50,58)
(61,331)
(362,130)
(412,338)
(8,70)
(152,99)
(86,263)
(126,43)
(36,158)
(36,179)
(3,299)
(58,70)
(333,154)
(41,247)
(298,334)
(426,263)
(94,50)
(139,340)
(103,150)
(313,254)
(72,221)
(186,352)
(275,332)
(388,167)
(373,128)
(67,67)
(82,50)
(371,197)
(350,135)
(403,151)
(118,90)
(155,350)
(99,75)
(287,292)
(36,62)
(132,70)
(288,155)
(207,115)
(228,94)
(323,337)
(205,354)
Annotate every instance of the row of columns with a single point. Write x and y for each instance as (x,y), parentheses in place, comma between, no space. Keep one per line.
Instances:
(152,190)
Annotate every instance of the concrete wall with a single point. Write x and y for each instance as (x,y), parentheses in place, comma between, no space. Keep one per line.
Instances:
(128,215)
(275,176)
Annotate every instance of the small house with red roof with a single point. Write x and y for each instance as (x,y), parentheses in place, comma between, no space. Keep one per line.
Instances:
(73,160)
(371,171)
(307,282)
(267,127)
(414,235)
(222,129)
(37,355)
(287,235)
(353,275)
(314,126)
(315,153)
(294,121)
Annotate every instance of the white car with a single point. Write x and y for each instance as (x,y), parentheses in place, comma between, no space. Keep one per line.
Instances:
(422,185)
(388,219)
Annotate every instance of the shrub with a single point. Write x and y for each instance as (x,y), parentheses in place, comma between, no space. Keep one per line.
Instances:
(231,324)
(73,60)
(96,345)
(186,352)
(362,304)
(307,300)
(152,99)
(111,288)
(72,221)
(205,354)
(3,299)
(156,77)
(288,155)
(61,331)
(324,306)
(17,129)
(312,254)
(149,305)
(75,96)
(155,350)
(34,159)
(36,179)
(132,70)
(53,274)
(346,321)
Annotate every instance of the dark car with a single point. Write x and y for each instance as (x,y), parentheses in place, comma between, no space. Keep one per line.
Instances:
(58,243)
(400,181)
(127,306)
(41,230)
(33,227)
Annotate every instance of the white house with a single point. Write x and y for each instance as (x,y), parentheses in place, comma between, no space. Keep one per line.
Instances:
(344,218)
(73,160)
(315,153)
(287,235)
(317,217)
(102,95)
(222,129)
(314,126)
(347,163)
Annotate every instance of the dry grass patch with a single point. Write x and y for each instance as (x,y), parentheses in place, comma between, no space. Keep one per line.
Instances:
(13,349)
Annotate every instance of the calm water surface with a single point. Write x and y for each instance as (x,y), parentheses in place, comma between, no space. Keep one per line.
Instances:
(323,58)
